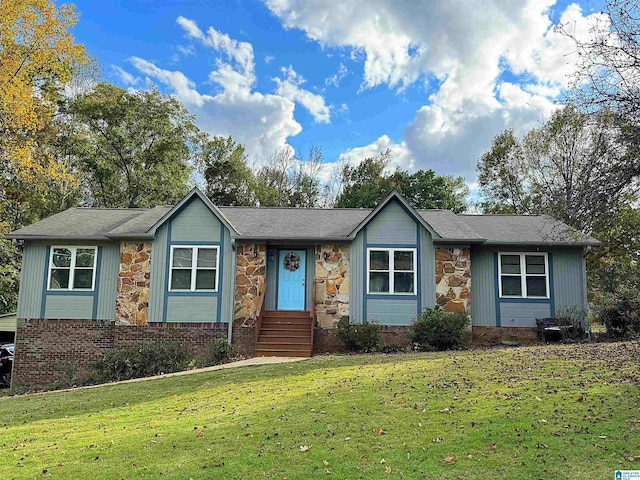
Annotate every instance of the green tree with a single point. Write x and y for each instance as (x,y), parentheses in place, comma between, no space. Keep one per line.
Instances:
(574,167)
(364,185)
(134,149)
(228,179)
(290,181)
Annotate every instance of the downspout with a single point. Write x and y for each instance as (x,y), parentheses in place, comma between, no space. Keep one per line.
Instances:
(233,291)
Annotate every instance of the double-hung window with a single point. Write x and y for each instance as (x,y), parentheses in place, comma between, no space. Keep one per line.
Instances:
(194,268)
(391,271)
(524,275)
(72,268)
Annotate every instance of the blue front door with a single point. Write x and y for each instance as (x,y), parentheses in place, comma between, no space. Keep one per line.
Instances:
(291,279)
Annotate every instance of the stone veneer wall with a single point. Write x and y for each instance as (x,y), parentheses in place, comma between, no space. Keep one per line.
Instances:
(40,360)
(250,285)
(132,302)
(332,284)
(453,279)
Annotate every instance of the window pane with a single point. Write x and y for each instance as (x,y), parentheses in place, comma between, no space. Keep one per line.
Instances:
(182,257)
(206,280)
(379,260)
(403,282)
(536,286)
(403,261)
(59,278)
(207,257)
(378,282)
(535,264)
(511,286)
(510,263)
(83,278)
(61,257)
(180,279)
(84,257)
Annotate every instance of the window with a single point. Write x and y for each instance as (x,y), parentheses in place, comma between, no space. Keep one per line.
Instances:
(194,269)
(391,271)
(72,268)
(524,275)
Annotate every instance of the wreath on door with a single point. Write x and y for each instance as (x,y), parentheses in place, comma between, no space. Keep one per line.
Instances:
(292,262)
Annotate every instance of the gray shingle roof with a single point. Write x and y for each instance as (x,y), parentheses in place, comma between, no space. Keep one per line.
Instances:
(304,224)
(525,229)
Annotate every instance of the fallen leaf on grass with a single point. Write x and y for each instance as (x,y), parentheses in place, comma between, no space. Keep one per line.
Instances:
(437,440)
(449,460)
(387,470)
(383,461)
(325,463)
(580,398)
(493,446)
(381,431)
(304,448)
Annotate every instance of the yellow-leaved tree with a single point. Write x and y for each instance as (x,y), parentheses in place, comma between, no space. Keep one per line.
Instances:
(38,55)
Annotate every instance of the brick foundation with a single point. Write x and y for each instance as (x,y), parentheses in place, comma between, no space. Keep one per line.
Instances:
(48,350)
(487,336)
(325,340)
(243,338)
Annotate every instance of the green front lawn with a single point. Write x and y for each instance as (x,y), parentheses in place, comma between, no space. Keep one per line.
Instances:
(547,412)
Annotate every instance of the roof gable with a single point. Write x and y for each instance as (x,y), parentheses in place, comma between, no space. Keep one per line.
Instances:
(394,195)
(194,193)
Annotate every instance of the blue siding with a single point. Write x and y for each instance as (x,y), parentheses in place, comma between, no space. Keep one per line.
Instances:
(393,225)
(192,308)
(568,285)
(195,223)
(108,282)
(32,280)
(227,279)
(427,268)
(483,297)
(272,279)
(524,314)
(356,278)
(391,311)
(157,290)
(69,306)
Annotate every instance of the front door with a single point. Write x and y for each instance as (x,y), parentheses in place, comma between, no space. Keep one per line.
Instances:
(291,279)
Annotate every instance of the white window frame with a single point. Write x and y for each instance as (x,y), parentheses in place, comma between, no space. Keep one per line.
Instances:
(523,274)
(72,268)
(194,267)
(391,252)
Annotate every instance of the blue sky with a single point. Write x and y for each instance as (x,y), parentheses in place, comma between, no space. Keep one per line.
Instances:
(432,81)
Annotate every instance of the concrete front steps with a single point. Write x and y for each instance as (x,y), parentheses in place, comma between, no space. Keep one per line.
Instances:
(285,334)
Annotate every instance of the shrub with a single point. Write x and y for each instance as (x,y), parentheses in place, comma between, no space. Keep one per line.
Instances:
(363,337)
(145,360)
(571,317)
(618,312)
(440,330)
(219,351)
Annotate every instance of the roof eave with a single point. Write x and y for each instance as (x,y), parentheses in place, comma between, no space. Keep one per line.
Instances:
(102,238)
(545,244)
(459,240)
(293,239)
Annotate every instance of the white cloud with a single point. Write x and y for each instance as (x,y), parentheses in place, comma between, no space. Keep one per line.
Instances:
(337,77)
(262,122)
(268,59)
(289,87)
(461,53)
(125,77)
(401,157)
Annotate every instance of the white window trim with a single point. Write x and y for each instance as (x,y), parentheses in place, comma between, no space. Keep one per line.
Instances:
(72,268)
(194,269)
(523,274)
(392,271)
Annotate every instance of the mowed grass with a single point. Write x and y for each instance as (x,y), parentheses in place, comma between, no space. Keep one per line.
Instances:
(548,412)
